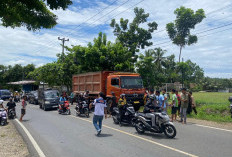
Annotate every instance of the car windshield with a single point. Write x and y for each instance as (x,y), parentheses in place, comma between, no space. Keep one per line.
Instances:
(131,82)
(51,94)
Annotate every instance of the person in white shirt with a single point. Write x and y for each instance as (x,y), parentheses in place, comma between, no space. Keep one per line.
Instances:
(99,112)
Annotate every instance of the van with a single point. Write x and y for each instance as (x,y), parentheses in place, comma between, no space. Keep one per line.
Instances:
(5,94)
(48,99)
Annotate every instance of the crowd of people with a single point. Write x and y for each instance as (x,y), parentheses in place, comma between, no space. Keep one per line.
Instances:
(180,104)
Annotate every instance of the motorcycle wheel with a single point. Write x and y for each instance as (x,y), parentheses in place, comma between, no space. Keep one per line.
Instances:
(87,113)
(170,131)
(115,120)
(139,128)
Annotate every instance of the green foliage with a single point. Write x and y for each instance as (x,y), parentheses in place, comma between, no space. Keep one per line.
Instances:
(218,113)
(179,30)
(132,35)
(13,74)
(102,55)
(33,14)
(211,98)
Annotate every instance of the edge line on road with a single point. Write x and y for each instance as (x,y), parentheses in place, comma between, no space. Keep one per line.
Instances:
(138,137)
(34,143)
(211,127)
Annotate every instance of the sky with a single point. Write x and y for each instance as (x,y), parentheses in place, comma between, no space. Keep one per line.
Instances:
(83,20)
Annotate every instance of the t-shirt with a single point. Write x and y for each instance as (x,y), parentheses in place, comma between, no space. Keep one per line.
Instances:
(100,105)
(184,104)
(166,99)
(10,105)
(24,104)
(174,99)
(160,99)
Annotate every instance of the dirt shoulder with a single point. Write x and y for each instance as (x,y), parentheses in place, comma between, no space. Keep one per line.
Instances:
(12,143)
(222,125)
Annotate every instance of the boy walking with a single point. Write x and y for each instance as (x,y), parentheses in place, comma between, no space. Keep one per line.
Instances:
(99,110)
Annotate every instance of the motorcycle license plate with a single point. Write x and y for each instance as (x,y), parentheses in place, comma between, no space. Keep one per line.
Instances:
(136,102)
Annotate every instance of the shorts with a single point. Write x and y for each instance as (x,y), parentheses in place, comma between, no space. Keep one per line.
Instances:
(23,111)
(174,109)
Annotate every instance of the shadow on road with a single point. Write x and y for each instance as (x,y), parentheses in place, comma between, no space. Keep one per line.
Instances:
(104,135)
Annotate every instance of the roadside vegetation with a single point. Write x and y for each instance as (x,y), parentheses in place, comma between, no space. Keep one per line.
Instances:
(212,106)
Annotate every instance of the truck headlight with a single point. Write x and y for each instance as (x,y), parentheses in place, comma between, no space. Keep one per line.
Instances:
(47,102)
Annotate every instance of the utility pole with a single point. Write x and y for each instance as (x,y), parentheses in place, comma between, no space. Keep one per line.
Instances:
(63,41)
(182,74)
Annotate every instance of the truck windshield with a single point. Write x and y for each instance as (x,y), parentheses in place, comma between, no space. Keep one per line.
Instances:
(131,82)
(51,94)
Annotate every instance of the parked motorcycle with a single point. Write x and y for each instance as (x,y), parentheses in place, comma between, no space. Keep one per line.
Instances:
(82,109)
(64,108)
(11,113)
(144,123)
(3,117)
(128,115)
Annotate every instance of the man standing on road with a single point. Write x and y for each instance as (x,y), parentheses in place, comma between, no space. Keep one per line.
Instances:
(184,105)
(174,104)
(165,100)
(100,108)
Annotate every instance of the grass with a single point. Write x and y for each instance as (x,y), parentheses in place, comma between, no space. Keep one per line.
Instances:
(213,106)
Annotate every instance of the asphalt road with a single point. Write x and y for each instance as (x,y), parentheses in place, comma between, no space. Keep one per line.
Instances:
(71,136)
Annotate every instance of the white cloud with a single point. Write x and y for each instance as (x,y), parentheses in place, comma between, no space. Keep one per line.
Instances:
(213,53)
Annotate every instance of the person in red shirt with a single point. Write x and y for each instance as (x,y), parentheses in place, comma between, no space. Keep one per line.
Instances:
(23,110)
(178,98)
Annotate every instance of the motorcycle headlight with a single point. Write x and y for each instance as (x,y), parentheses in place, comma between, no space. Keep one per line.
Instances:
(47,102)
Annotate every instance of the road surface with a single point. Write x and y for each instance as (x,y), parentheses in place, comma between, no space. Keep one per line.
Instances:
(71,136)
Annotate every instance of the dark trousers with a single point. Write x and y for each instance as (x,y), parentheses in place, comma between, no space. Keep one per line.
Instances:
(195,110)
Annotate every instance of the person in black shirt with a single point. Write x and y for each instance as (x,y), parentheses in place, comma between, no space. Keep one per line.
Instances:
(10,105)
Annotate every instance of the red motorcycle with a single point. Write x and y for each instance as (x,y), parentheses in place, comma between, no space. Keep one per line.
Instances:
(64,108)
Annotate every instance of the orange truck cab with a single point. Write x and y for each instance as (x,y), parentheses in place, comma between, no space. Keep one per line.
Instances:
(130,84)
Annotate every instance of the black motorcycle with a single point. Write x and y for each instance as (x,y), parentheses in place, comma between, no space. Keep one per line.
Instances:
(163,125)
(128,115)
(82,108)
(11,113)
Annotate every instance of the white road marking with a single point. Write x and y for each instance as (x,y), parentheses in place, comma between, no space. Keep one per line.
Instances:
(34,143)
(141,138)
(205,126)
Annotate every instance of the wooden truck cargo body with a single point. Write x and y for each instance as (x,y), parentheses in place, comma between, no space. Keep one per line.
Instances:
(107,82)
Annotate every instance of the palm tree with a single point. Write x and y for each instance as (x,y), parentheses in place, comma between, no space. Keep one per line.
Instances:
(159,58)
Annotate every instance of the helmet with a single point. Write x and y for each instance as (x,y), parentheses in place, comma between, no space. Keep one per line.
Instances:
(122,95)
(1,102)
(152,97)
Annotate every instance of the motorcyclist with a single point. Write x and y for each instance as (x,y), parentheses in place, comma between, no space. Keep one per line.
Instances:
(62,100)
(10,105)
(121,106)
(151,107)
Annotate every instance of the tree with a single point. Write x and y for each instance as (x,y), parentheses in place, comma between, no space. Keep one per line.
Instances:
(159,58)
(102,55)
(33,14)
(179,30)
(132,35)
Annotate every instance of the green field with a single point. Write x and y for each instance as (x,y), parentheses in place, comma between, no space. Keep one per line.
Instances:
(208,98)
(213,106)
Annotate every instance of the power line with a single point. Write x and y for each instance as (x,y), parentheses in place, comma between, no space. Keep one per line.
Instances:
(100,26)
(52,42)
(225,7)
